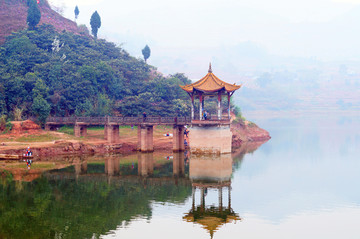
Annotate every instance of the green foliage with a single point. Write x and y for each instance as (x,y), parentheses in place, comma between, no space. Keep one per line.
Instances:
(8,127)
(237,111)
(76,76)
(66,129)
(95,23)
(146,52)
(18,113)
(33,14)
(76,11)
(3,109)
(78,208)
(41,109)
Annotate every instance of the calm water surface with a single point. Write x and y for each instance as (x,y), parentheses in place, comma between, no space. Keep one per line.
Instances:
(303,183)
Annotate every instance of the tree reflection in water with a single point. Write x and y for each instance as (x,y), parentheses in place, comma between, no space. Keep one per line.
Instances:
(89,199)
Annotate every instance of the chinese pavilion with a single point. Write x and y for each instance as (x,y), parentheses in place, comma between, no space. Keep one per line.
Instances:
(210,134)
(210,86)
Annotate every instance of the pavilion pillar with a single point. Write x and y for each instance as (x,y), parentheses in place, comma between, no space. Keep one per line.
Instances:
(219,105)
(229,191)
(193,197)
(80,129)
(146,138)
(178,138)
(201,105)
(192,107)
(220,199)
(202,199)
(228,105)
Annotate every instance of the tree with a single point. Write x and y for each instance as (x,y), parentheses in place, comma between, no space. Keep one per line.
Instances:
(76,11)
(95,23)
(146,52)
(34,14)
(40,107)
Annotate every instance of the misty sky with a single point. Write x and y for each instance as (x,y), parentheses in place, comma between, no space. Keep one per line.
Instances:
(187,34)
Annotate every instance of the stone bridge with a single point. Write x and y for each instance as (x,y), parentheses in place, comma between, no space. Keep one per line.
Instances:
(111,125)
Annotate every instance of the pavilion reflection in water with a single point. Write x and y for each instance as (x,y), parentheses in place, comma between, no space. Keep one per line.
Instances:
(212,172)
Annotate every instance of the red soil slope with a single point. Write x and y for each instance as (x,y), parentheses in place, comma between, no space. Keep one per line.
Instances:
(13,15)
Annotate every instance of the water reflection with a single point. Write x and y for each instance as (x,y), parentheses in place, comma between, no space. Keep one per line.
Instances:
(211,173)
(95,197)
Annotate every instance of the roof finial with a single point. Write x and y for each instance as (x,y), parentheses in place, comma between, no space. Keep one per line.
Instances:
(210,70)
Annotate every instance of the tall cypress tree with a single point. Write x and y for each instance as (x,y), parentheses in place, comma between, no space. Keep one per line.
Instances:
(34,14)
(95,23)
(146,52)
(76,11)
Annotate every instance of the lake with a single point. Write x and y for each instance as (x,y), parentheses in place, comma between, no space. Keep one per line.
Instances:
(302,183)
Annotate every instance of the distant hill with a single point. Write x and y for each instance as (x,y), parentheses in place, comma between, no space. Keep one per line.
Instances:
(13,15)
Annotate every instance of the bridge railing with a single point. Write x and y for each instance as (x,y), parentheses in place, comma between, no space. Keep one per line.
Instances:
(92,120)
(120,120)
(62,120)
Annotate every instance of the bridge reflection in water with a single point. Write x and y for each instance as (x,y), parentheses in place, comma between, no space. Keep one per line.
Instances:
(206,175)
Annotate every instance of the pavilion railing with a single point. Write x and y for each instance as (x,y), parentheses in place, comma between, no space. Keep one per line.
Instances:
(224,117)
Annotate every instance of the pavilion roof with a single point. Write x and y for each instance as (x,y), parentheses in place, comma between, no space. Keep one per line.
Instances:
(210,83)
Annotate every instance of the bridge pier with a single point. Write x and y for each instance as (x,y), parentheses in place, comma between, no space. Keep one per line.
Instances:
(80,129)
(111,132)
(145,164)
(178,138)
(178,165)
(112,166)
(145,138)
(81,168)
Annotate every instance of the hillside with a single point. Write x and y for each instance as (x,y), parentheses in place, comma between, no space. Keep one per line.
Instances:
(49,72)
(45,72)
(13,18)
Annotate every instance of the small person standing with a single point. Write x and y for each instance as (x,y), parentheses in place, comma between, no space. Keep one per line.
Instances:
(144,116)
(205,115)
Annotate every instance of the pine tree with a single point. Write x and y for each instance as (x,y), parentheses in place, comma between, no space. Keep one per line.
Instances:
(76,11)
(95,23)
(146,52)
(34,14)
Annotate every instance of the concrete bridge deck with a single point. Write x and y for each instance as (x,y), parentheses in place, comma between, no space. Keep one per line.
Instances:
(111,128)
(144,124)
